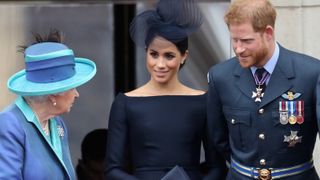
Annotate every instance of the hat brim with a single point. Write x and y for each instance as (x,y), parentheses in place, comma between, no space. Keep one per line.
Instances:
(85,70)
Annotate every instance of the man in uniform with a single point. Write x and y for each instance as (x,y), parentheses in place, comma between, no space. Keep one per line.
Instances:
(263,104)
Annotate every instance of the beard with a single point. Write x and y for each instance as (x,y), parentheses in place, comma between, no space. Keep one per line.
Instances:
(257,58)
(260,58)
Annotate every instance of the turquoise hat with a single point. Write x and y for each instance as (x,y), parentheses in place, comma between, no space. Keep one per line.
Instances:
(50,68)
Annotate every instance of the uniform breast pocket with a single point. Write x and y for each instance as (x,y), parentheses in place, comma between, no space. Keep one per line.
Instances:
(239,124)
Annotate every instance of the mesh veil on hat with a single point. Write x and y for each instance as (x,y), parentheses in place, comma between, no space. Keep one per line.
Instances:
(50,68)
(173,20)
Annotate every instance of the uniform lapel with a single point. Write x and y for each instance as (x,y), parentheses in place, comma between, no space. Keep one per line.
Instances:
(244,80)
(280,80)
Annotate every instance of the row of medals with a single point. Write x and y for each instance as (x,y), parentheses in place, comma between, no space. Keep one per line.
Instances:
(291,112)
(285,119)
(291,115)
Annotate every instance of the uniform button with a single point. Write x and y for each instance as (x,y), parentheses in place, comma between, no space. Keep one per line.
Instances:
(261,111)
(233,121)
(262,162)
(261,136)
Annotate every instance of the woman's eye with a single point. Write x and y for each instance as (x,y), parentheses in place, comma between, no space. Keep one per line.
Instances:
(169,56)
(154,54)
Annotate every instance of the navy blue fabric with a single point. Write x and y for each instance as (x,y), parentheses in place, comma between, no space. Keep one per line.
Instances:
(235,120)
(176,173)
(173,20)
(158,133)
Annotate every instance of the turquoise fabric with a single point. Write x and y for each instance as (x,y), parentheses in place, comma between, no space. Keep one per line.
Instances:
(25,151)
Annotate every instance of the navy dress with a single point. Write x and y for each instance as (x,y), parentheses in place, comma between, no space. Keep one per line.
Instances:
(157,133)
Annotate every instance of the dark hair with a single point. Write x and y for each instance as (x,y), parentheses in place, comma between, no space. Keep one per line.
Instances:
(54,35)
(94,145)
(182,46)
(173,20)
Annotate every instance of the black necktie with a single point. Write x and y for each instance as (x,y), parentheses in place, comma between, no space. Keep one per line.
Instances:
(261,75)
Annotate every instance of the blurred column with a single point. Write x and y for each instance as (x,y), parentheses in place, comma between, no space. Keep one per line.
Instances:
(124,49)
(11,35)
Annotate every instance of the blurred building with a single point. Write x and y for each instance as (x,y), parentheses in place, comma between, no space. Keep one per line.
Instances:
(98,30)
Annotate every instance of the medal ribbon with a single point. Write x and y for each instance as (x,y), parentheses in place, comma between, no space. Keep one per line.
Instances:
(280,106)
(283,110)
(299,108)
(263,79)
(300,112)
(292,107)
(283,106)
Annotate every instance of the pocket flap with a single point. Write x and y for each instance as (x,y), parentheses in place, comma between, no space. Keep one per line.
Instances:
(237,116)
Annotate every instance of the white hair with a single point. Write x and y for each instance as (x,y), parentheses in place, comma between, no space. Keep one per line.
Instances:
(41,99)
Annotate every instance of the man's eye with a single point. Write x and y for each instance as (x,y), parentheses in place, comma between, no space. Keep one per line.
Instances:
(247,41)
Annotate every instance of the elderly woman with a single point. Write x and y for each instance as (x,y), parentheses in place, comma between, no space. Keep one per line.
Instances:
(34,139)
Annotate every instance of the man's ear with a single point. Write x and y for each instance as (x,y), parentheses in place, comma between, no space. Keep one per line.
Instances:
(269,31)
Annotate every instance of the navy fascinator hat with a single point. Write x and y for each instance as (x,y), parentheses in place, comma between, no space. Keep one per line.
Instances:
(173,20)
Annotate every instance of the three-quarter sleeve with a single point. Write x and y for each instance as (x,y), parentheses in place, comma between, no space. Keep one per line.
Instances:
(117,144)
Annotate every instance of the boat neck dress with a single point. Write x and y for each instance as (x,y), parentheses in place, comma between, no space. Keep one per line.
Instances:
(157,133)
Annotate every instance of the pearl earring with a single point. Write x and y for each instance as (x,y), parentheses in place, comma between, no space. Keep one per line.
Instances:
(54,103)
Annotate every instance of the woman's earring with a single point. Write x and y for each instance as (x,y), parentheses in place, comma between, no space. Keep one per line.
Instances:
(54,103)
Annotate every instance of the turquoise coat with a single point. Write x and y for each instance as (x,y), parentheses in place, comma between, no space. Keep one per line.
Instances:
(26,153)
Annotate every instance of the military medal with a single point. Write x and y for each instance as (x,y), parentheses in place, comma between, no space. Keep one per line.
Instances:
(300,119)
(283,111)
(258,94)
(292,119)
(259,90)
(284,117)
(292,139)
(292,110)
(300,111)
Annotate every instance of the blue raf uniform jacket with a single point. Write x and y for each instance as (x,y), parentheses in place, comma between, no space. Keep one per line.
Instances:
(250,132)
(26,154)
